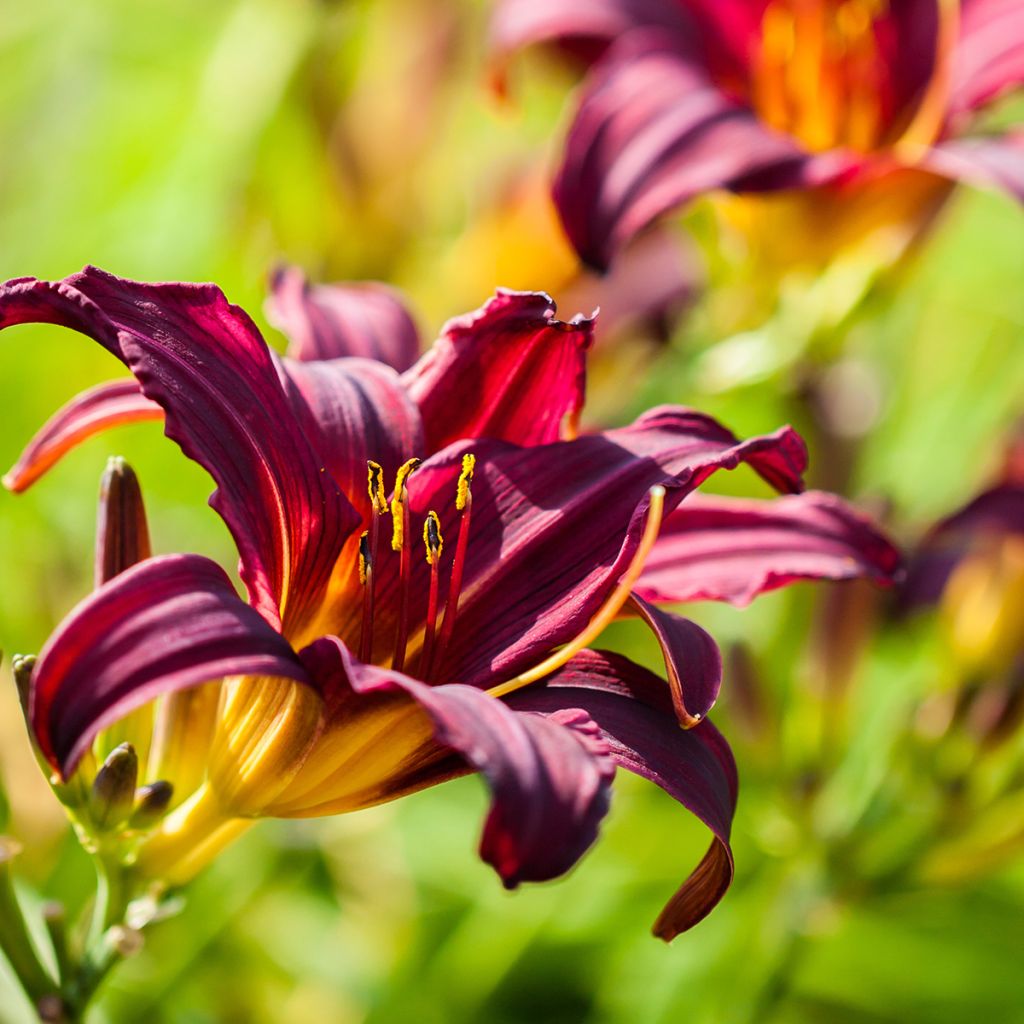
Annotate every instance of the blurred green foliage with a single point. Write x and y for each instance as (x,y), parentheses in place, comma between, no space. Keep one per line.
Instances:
(198,141)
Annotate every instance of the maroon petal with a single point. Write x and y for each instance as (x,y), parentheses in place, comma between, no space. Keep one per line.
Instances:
(727,549)
(167,623)
(724,32)
(519,23)
(652,131)
(205,363)
(509,371)
(995,512)
(693,662)
(549,775)
(554,527)
(366,319)
(992,162)
(632,708)
(354,410)
(988,60)
(106,405)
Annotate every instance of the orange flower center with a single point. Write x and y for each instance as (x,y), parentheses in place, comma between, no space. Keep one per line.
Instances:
(818,76)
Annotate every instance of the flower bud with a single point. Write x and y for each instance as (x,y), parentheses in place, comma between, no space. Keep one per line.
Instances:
(151,804)
(122,536)
(113,789)
(22,666)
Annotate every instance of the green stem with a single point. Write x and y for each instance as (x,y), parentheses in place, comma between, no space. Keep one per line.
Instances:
(103,948)
(17,943)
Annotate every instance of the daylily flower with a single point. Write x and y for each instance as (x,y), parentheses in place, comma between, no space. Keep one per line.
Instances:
(409,621)
(971,564)
(684,97)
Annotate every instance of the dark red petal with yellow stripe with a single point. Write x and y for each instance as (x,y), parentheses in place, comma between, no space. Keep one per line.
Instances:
(168,623)
(107,405)
(204,362)
(549,775)
(732,549)
(327,321)
(693,663)
(554,527)
(633,710)
(510,371)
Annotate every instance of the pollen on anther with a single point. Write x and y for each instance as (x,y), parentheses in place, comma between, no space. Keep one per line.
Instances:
(465,479)
(375,487)
(398,502)
(365,562)
(432,538)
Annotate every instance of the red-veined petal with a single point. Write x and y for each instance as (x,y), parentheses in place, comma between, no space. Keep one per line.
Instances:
(510,371)
(732,549)
(205,363)
(327,321)
(165,624)
(107,405)
(633,710)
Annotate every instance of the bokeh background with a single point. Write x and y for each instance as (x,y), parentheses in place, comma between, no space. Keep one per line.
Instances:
(878,869)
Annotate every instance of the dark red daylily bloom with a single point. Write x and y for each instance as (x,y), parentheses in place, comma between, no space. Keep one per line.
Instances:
(688,96)
(985,522)
(359,671)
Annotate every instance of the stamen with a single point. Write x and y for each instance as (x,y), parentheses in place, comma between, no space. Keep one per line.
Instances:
(464,504)
(366,579)
(400,530)
(434,543)
(607,612)
(369,548)
(432,538)
(375,486)
(465,480)
(399,516)
(364,556)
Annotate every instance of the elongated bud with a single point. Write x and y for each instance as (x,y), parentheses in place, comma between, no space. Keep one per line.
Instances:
(122,536)
(151,803)
(398,503)
(375,486)
(113,789)
(22,666)
(462,495)
(432,538)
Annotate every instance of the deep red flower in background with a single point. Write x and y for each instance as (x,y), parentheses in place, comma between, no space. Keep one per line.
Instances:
(358,671)
(683,97)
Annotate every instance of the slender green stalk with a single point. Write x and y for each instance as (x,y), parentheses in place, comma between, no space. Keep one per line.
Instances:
(16,940)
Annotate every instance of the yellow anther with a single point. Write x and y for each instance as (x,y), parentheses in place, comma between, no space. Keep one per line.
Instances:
(398,503)
(465,479)
(364,556)
(432,538)
(375,486)
(607,612)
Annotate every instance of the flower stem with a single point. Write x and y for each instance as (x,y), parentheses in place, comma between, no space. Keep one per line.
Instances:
(17,943)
